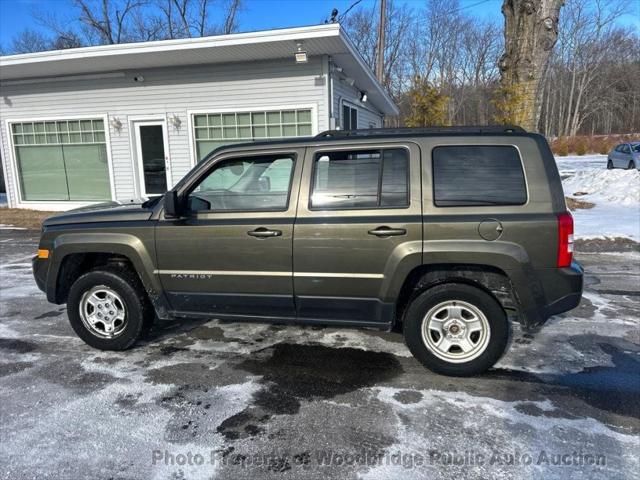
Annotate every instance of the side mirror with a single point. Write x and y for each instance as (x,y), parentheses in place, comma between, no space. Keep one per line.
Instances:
(172,206)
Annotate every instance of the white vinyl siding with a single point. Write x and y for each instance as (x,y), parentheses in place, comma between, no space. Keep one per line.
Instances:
(212,130)
(166,93)
(62,160)
(368,116)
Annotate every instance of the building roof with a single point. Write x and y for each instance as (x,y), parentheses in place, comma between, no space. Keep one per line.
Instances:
(329,39)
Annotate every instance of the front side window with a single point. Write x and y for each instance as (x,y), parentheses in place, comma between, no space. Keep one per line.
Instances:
(625,149)
(62,160)
(360,179)
(213,130)
(477,176)
(245,184)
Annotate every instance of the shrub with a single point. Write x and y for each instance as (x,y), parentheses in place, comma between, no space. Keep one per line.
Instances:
(561,147)
(580,145)
(601,145)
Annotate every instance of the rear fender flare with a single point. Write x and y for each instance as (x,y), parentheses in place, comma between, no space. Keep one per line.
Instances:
(506,256)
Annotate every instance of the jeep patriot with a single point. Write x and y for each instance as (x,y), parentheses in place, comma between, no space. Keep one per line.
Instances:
(448,234)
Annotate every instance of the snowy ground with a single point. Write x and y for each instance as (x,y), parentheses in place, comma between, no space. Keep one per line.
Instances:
(615,193)
(208,399)
(269,401)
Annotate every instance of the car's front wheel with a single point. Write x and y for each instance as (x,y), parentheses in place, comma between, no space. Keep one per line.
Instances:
(456,329)
(609,164)
(108,309)
(631,165)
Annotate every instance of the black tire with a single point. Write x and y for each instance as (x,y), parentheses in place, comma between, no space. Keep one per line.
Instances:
(452,292)
(631,165)
(126,284)
(609,164)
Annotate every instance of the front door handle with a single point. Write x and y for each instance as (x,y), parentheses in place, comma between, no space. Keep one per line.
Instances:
(264,233)
(387,232)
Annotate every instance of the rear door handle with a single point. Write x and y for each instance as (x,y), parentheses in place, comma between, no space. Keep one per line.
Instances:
(264,233)
(387,232)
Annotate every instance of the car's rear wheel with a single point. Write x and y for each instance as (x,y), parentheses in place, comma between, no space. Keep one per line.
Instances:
(456,329)
(631,165)
(108,309)
(609,164)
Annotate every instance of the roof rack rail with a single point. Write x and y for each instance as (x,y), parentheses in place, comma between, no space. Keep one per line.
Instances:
(421,130)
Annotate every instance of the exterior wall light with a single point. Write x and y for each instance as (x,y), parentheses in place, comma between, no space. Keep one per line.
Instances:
(363,97)
(300,54)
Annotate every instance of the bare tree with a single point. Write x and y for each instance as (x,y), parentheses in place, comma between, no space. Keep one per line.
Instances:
(530,33)
(118,21)
(192,18)
(231,19)
(109,20)
(363,25)
(28,41)
(592,86)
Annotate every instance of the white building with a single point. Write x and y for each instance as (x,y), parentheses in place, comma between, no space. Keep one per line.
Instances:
(123,121)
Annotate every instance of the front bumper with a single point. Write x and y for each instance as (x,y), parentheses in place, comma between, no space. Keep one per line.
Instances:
(40,269)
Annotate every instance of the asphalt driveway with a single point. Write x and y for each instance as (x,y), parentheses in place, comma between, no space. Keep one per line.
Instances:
(240,400)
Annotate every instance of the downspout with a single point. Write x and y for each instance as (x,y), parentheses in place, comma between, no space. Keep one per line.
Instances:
(330,93)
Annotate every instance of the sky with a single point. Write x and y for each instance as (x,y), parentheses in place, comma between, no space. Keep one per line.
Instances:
(15,15)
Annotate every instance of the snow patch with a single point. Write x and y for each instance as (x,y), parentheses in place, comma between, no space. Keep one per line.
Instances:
(17,280)
(460,423)
(608,186)
(615,193)
(10,227)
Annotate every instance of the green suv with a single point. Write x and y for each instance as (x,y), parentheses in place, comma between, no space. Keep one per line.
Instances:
(447,234)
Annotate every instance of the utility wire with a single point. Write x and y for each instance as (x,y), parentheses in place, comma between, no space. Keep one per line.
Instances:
(461,7)
(349,9)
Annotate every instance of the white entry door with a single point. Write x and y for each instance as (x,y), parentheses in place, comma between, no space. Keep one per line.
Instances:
(152,157)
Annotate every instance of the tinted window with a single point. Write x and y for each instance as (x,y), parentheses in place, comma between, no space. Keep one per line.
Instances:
(625,149)
(635,147)
(360,179)
(478,175)
(248,184)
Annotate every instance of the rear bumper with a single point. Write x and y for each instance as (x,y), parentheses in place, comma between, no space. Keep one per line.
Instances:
(561,291)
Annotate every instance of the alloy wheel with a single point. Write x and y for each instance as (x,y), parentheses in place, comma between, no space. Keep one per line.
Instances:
(456,331)
(103,312)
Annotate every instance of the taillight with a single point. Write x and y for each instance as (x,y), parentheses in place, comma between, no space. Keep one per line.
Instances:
(565,239)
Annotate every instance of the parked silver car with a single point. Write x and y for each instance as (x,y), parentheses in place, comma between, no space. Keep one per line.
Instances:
(624,155)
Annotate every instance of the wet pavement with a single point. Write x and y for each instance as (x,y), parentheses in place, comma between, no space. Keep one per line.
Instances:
(210,399)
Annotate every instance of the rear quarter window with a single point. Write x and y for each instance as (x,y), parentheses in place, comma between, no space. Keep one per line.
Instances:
(467,176)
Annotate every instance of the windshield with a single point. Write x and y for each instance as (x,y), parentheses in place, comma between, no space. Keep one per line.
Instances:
(635,147)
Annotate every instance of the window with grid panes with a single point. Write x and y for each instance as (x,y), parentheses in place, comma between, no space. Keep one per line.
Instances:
(62,160)
(213,130)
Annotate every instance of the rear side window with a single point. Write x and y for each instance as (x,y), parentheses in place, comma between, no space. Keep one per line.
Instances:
(465,176)
(361,179)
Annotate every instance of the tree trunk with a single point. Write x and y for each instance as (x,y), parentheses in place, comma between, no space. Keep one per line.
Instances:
(530,33)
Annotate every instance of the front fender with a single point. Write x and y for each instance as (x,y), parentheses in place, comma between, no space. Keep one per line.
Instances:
(123,244)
